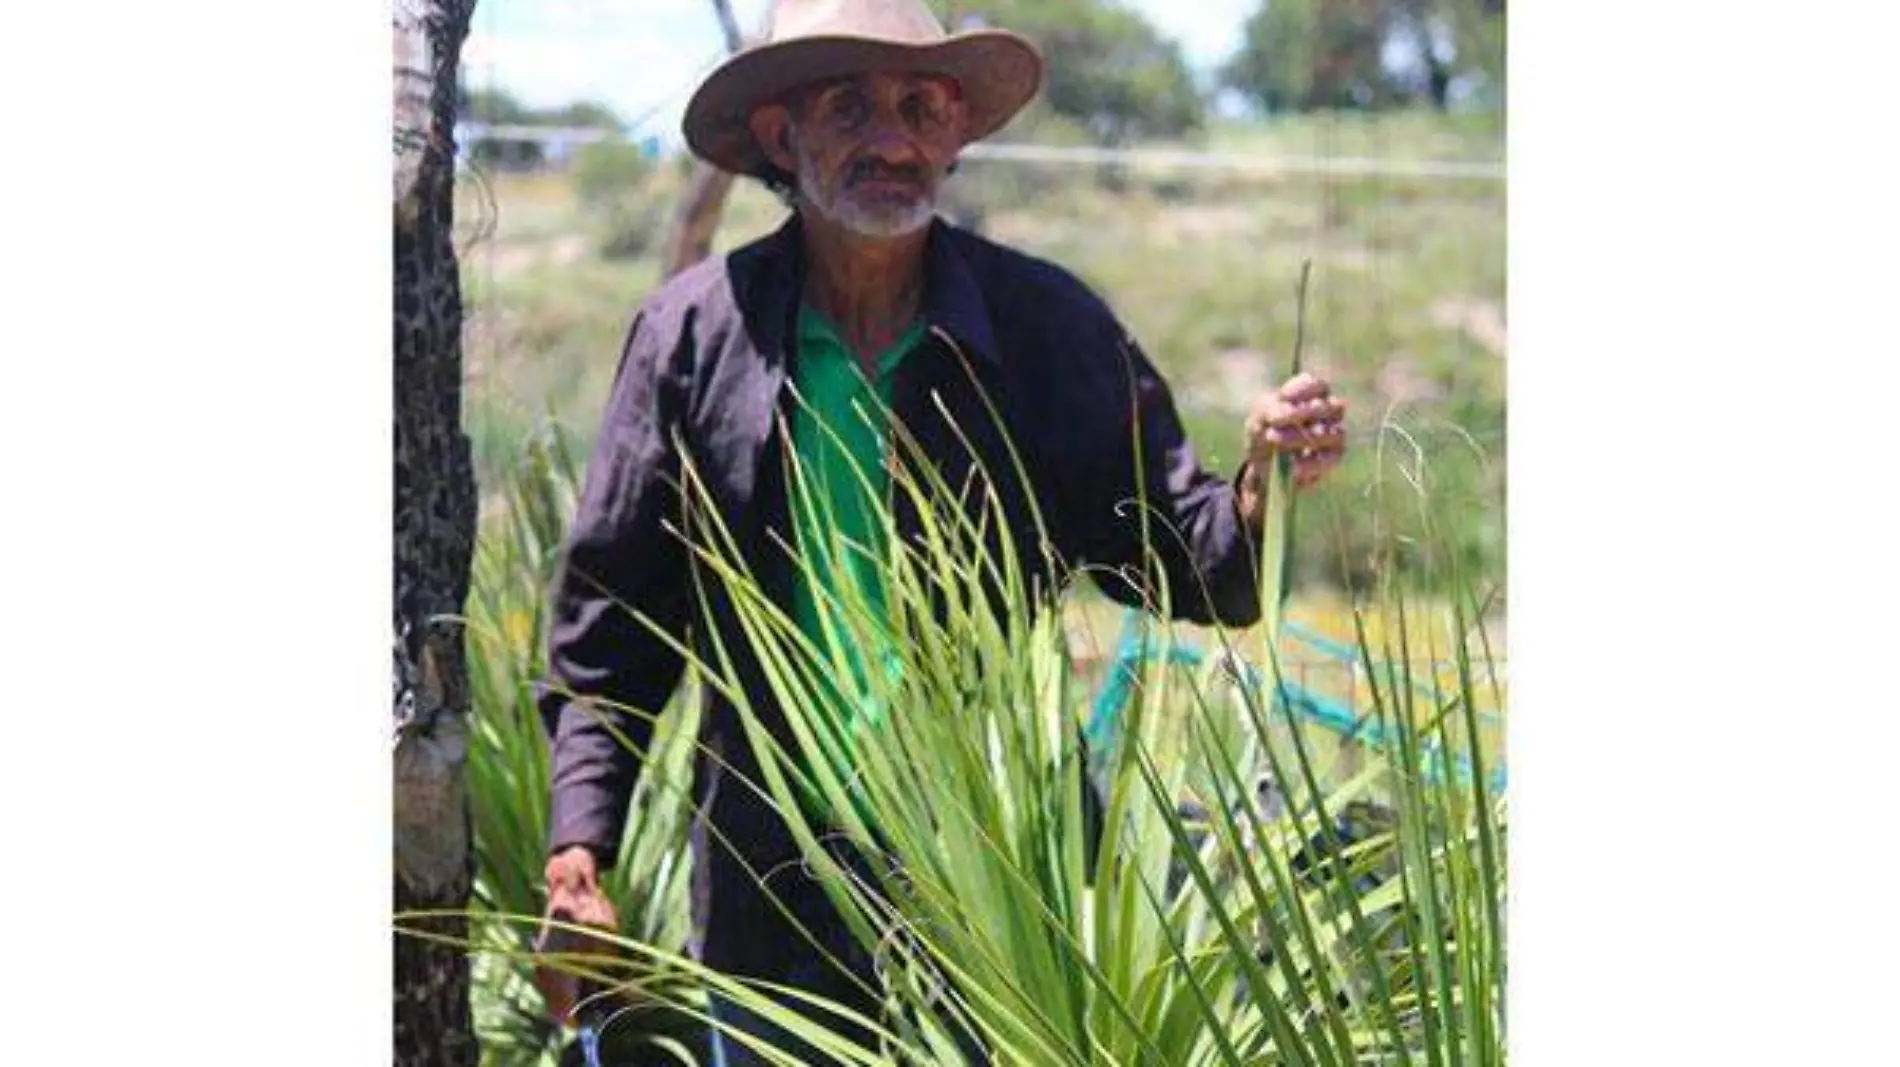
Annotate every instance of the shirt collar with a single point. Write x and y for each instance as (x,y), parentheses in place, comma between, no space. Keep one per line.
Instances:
(952,300)
(816,332)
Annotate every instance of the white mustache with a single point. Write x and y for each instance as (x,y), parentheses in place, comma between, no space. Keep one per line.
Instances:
(861,172)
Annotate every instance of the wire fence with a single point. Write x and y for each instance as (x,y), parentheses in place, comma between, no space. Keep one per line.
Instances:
(554,147)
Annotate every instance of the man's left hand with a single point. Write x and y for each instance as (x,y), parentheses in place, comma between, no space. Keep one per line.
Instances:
(1303,419)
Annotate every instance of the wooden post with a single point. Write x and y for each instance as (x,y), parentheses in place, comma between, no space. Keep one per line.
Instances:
(696,217)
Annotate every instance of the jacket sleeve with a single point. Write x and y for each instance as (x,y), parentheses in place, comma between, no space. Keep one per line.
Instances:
(1195,540)
(607,670)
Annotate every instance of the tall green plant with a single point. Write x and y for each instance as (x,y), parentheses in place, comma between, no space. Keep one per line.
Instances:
(1248,937)
(1289,914)
(515,562)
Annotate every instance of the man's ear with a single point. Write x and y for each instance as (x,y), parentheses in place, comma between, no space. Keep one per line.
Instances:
(772,128)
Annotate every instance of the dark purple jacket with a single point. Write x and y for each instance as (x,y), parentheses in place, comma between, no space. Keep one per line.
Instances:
(705,363)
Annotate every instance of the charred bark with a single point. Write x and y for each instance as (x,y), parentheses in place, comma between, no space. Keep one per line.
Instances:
(434,533)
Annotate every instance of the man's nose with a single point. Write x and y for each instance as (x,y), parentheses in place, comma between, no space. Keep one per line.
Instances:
(888,139)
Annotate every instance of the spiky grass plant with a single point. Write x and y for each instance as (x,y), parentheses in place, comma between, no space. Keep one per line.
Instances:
(1355,918)
(516,557)
(1251,937)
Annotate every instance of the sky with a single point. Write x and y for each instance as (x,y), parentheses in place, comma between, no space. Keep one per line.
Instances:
(643,58)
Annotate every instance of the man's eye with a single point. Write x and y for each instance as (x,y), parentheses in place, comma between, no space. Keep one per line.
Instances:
(920,109)
(848,108)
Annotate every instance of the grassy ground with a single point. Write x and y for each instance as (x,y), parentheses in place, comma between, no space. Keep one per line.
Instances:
(1405,312)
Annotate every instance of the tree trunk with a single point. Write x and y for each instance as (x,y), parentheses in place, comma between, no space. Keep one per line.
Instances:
(1419,18)
(689,235)
(434,540)
(695,218)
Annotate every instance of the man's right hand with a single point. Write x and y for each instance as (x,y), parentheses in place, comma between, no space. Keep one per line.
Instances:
(574,896)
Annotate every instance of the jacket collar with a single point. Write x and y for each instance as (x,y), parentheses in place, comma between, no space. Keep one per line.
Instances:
(952,301)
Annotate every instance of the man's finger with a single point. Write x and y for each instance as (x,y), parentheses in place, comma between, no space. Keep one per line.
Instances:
(1318,409)
(1310,469)
(1303,387)
(1324,436)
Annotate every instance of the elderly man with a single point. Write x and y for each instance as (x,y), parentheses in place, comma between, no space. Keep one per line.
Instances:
(855,110)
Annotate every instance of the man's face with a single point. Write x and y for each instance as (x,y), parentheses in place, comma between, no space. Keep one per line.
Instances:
(870,151)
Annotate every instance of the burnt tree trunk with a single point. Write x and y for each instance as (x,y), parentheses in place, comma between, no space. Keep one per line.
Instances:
(434,540)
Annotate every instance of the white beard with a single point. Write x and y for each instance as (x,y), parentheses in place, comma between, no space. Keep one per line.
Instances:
(865,220)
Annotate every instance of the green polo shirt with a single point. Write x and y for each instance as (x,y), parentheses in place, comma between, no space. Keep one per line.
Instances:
(840,436)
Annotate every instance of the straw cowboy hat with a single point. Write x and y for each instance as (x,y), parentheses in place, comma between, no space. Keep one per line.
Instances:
(813,40)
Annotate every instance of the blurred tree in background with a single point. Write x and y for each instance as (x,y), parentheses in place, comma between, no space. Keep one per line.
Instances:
(490,104)
(1308,55)
(1108,69)
(582,113)
(503,108)
(613,181)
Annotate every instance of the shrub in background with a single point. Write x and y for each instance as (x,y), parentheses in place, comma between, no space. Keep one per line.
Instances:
(614,181)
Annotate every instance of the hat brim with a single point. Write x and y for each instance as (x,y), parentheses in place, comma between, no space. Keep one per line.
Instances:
(999,71)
